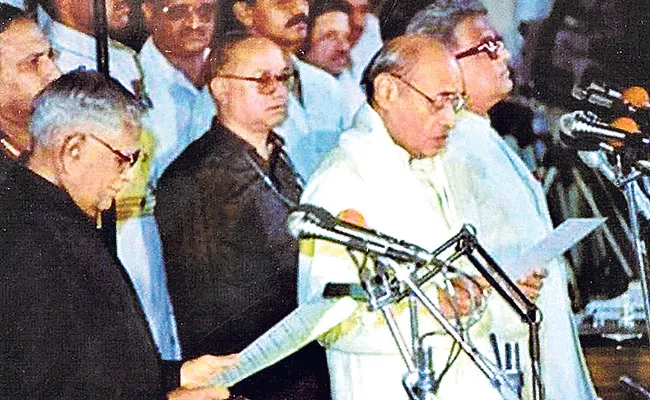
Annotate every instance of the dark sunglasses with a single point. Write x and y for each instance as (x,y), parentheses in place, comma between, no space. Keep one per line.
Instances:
(178,12)
(124,159)
(266,82)
(489,46)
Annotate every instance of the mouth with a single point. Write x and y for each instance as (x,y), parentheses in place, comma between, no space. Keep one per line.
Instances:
(279,107)
(301,27)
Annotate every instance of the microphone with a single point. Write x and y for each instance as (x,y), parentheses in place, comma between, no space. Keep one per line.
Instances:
(310,221)
(584,131)
(637,97)
(598,160)
(631,101)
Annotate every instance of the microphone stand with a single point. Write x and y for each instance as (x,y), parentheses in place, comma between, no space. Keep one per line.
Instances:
(630,187)
(392,281)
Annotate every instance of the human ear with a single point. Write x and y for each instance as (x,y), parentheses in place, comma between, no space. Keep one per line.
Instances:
(70,152)
(147,13)
(385,90)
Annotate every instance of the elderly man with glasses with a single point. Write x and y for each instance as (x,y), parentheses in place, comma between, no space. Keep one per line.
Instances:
(494,190)
(72,324)
(231,265)
(386,175)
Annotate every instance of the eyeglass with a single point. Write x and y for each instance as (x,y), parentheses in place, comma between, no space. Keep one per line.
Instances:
(177,12)
(489,46)
(457,100)
(124,159)
(267,82)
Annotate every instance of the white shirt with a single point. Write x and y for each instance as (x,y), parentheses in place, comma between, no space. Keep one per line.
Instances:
(76,49)
(314,123)
(493,190)
(181,112)
(354,93)
(369,43)
(16,3)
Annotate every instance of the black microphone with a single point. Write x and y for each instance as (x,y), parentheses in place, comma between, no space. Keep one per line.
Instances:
(584,131)
(309,221)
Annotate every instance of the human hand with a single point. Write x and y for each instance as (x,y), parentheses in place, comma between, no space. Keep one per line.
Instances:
(195,372)
(531,283)
(199,394)
(462,297)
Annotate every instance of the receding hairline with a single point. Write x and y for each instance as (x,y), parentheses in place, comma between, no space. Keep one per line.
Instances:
(410,47)
(255,42)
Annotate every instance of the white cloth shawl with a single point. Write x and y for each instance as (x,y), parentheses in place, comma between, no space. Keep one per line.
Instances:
(494,191)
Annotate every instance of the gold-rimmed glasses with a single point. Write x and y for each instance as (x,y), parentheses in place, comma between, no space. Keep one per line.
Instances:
(266,82)
(127,160)
(457,100)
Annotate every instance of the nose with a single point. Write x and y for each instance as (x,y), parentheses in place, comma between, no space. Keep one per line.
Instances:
(504,54)
(196,19)
(344,44)
(280,91)
(50,72)
(447,116)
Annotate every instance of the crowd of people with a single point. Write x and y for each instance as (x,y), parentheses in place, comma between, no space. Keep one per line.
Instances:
(201,144)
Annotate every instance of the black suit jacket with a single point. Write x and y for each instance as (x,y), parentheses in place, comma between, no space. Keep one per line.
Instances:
(72,326)
(231,264)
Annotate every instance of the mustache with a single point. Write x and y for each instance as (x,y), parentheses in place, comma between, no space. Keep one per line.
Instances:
(296,19)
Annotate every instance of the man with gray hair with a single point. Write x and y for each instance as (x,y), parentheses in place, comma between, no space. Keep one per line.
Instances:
(72,323)
(482,169)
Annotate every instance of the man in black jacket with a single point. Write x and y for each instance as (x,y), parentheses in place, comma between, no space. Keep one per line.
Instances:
(221,206)
(72,324)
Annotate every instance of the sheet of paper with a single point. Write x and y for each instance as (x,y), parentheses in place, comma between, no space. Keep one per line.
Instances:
(556,243)
(304,325)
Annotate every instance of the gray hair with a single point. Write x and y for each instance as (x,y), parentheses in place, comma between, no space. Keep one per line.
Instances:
(440,18)
(80,99)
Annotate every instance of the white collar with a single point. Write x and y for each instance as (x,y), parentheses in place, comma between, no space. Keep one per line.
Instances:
(158,68)
(79,43)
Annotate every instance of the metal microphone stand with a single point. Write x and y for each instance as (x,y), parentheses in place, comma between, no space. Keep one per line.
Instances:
(392,281)
(628,183)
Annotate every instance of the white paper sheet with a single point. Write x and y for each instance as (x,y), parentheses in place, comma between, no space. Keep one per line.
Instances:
(304,325)
(556,243)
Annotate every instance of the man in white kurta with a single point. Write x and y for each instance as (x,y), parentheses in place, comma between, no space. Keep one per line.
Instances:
(181,112)
(384,169)
(494,191)
(76,46)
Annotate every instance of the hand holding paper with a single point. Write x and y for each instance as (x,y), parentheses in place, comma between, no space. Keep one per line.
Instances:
(304,325)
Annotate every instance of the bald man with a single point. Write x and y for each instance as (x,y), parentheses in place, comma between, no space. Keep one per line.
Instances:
(221,207)
(385,170)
